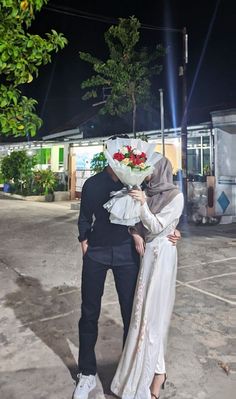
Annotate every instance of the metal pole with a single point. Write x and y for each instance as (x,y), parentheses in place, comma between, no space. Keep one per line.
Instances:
(212,164)
(184,137)
(184,104)
(162,121)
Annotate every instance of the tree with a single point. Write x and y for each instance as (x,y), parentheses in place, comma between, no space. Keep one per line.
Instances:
(17,168)
(127,71)
(21,55)
(11,165)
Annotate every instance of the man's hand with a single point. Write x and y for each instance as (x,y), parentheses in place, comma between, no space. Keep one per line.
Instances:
(175,237)
(84,246)
(139,244)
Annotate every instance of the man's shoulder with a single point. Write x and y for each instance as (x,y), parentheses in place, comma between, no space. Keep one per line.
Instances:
(94,179)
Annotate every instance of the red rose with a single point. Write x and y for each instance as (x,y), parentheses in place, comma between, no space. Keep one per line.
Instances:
(118,156)
(138,161)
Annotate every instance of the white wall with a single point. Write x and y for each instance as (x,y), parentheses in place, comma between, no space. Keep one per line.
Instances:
(225,166)
(225,147)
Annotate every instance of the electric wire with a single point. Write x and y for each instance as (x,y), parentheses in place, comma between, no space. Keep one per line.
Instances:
(101,18)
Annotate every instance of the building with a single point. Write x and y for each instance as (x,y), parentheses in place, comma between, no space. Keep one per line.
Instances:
(211,152)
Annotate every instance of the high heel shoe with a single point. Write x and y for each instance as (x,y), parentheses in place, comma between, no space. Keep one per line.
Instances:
(162,387)
(163,384)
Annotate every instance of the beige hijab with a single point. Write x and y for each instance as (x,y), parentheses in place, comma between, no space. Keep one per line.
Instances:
(160,189)
(160,192)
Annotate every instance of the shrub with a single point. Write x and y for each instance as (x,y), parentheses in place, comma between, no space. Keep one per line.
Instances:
(98,163)
(45,181)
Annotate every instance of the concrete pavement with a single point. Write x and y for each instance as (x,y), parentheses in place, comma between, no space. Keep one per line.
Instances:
(40,269)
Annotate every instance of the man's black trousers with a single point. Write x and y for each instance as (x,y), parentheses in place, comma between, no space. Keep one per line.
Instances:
(93,280)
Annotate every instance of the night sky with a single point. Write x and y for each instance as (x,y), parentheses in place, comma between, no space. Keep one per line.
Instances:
(58,88)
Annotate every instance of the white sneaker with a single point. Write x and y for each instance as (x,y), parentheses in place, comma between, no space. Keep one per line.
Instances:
(85,384)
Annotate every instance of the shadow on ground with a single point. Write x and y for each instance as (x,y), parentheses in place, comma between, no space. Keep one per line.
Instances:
(44,313)
(52,316)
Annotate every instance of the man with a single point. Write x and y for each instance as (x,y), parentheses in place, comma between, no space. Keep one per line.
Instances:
(104,246)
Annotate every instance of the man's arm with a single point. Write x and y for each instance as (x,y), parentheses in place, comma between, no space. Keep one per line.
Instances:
(85,218)
(175,237)
(139,243)
(138,240)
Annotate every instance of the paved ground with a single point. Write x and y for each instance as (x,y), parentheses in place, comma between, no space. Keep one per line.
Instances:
(40,268)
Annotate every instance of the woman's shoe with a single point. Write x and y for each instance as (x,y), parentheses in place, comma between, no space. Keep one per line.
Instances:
(162,387)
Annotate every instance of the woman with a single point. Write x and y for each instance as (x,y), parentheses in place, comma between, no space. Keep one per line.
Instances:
(141,371)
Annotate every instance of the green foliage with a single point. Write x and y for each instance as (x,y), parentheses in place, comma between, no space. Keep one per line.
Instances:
(98,163)
(17,113)
(21,55)
(143,137)
(45,181)
(127,71)
(18,169)
(207,170)
(11,165)
(27,175)
(1,178)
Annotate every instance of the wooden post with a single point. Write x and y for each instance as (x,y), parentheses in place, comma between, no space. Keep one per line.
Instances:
(211,195)
(72,175)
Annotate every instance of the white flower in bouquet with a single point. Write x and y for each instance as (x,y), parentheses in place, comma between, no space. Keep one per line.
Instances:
(136,151)
(123,150)
(142,166)
(125,161)
(132,160)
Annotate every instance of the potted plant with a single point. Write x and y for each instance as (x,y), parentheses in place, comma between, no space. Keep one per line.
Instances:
(47,181)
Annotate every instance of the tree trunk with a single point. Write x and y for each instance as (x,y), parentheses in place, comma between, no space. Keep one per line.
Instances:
(134,114)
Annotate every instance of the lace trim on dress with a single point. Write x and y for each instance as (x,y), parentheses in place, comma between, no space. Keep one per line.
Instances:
(139,301)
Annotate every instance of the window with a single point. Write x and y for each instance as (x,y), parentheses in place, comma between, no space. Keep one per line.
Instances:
(61,156)
(44,156)
(206,160)
(206,141)
(194,142)
(194,161)
(199,157)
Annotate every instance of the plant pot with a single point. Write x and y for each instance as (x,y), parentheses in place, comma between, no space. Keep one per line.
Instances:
(61,195)
(49,197)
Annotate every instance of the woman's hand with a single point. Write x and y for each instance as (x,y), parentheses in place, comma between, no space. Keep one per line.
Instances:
(138,195)
(175,237)
(139,243)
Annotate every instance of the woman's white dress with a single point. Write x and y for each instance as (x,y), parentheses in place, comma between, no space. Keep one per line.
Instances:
(143,354)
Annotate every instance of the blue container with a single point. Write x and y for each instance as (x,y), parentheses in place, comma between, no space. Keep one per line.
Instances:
(6,188)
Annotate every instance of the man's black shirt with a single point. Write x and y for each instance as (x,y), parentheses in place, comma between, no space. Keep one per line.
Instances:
(108,243)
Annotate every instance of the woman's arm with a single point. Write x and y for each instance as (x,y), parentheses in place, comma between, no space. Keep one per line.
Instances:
(156,223)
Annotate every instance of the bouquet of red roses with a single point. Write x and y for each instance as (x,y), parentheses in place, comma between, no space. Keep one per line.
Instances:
(132,157)
(132,160)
